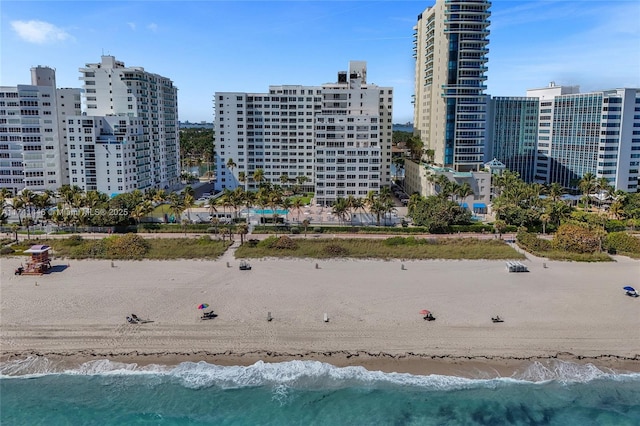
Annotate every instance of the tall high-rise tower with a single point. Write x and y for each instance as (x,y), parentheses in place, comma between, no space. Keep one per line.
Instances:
(140,98)
(450,107)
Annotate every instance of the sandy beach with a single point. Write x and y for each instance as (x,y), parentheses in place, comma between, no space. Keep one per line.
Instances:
(572,311)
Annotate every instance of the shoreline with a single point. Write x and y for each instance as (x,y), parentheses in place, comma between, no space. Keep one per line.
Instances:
(470,367)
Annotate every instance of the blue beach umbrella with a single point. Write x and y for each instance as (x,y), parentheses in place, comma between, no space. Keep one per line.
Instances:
(629,288)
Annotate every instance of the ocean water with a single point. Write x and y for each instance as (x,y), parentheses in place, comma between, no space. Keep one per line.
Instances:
(35,391)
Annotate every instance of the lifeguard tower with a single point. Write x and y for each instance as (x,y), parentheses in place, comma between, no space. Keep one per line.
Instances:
(39,263)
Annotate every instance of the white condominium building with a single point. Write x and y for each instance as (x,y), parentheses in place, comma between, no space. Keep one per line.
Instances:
(32,151)
(450,51)
(112,89)
(104,151)
(271,131)
(337,136)
(596,132)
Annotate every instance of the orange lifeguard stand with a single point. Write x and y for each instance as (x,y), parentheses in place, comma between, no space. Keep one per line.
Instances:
(39,262)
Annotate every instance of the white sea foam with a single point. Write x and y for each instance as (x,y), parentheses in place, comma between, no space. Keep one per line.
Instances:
(566,372)
(306,374)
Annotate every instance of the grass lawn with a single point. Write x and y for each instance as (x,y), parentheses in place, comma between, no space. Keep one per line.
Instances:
(391,248)
(161,248)
(566,256)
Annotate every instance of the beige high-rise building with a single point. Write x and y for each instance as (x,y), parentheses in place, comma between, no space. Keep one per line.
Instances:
(450,107)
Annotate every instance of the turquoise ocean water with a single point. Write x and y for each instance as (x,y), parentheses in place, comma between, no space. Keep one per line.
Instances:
(34,391)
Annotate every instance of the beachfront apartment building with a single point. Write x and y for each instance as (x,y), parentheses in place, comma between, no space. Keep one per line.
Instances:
(108,153)
(596,132)
(557,134)
(512,134)
(450,107)
(337,136)
(32,132)
(139,100)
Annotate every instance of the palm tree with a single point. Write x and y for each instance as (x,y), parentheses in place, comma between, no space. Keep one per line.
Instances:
(249,202)
(242,229)
(284,179)
(5,194)
(556,191)
(28,197)
(225,200)
(301,180)
(236,200)
(463,191)
(305,225)
(262,200)
(176,206)
(378,208)
(415,146)
(297,205)
(188,202)
(215,222)
(430,154)
(138,213)
(286,205)
(258,176)
(350,202)
(231,165)
(212,205)
(544,218)
(357,204)
(603,188)
(443,186)
(42,203)
(617,209)
(587,185)
(340,208)
(18,207)
(414,199)
(388,207)
(242,178)
(370,199)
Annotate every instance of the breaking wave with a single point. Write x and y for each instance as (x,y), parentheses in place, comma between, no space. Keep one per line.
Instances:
(307,374)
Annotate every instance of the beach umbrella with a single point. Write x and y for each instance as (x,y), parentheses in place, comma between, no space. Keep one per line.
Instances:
(629,288)
(424,312)
(203,306)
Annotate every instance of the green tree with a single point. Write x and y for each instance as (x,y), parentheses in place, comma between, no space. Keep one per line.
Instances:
(258,176)
(305,225)
(587,186)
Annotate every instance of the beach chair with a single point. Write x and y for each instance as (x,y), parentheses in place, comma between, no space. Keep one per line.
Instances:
(326,317)
(269,317)
(208,315)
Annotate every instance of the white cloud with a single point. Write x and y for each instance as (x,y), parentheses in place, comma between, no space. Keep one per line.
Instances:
(39,32)
(132,25)
(153,27)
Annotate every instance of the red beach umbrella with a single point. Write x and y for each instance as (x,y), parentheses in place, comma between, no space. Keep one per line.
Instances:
(424,312)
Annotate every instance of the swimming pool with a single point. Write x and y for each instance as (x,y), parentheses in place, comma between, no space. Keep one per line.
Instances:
(269,211)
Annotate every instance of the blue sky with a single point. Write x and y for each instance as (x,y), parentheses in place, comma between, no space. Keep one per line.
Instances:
(209,46)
